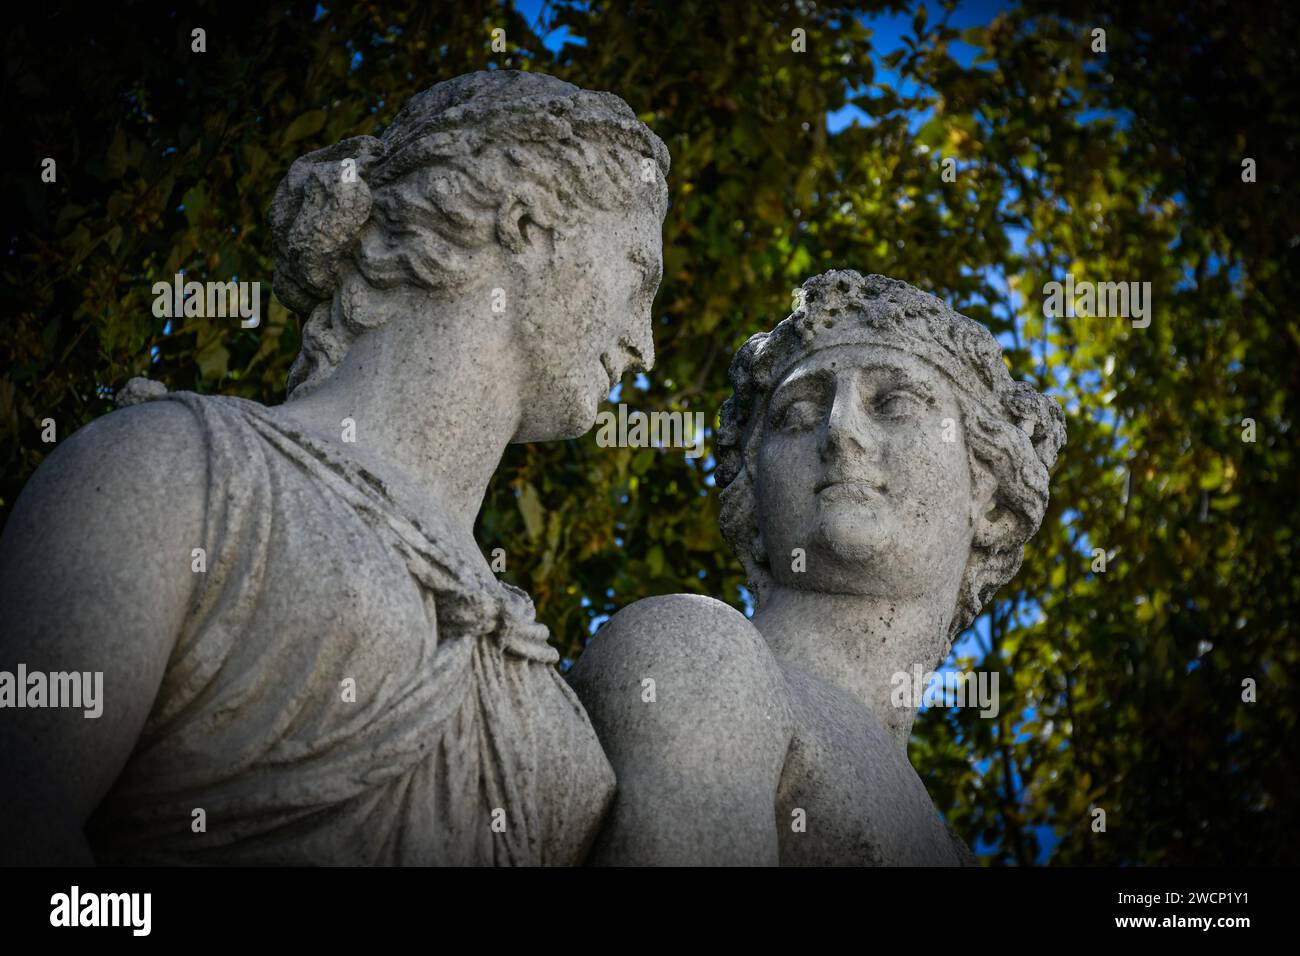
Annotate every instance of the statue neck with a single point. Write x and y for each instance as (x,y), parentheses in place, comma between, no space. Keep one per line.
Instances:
(857,644)
(430,414)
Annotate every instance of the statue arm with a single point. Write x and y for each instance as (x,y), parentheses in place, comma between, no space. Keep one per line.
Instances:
(95,576)
(693,713)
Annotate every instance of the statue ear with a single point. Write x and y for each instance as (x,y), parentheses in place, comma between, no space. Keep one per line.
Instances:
(994,526)
(517,226)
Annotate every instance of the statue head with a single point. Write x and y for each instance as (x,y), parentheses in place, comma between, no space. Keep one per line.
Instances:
(538,202)
(880,431)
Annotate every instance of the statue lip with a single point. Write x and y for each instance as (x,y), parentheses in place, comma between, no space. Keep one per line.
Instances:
(859,488)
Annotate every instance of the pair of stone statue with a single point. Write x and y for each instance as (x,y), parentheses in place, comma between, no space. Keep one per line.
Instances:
(340,678)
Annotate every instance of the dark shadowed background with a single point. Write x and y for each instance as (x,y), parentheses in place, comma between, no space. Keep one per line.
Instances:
(1121,690)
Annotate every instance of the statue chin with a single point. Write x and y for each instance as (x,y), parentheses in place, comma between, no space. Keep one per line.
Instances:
(855,532)
(570,414)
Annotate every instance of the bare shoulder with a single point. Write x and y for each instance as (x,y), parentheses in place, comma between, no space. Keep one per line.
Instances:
(110,517)
(95,577)
(696,720)
(695,658)
(150,440)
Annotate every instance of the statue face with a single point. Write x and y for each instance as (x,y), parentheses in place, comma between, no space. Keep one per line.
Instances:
(587,319)
(863,465)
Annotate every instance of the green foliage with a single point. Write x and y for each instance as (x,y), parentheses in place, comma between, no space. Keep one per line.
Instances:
(1116,166)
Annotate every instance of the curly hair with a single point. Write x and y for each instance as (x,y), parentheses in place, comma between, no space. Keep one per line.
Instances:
(1011,429)
(478,158)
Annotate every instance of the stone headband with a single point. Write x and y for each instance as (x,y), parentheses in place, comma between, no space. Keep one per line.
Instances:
(842,307)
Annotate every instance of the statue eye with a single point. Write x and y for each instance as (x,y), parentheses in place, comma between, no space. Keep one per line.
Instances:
(900,404)
(650,270)
(799,416)
(649,282)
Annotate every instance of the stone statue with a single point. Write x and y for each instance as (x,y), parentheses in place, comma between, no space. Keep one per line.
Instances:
(306,658)
(880,474)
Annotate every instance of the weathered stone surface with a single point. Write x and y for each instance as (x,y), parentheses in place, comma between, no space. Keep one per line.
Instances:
(881,473)
(306,657)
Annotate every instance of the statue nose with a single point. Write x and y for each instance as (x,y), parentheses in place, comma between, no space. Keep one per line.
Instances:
(641,349)
(849,431)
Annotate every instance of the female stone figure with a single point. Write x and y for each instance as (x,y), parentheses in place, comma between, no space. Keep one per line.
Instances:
(306,657)
(881,473)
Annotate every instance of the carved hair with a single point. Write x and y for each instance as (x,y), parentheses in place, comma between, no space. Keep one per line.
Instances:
(479,158)
(1011,430)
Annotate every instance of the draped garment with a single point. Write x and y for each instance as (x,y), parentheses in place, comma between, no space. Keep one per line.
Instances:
(460,743)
